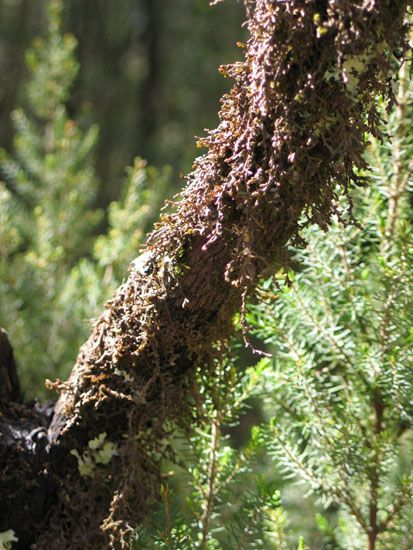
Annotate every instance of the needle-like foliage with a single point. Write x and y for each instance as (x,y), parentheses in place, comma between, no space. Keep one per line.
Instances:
(55,274)
(340,384)
(214,495)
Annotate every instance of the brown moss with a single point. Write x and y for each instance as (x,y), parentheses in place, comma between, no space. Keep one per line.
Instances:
(292,129)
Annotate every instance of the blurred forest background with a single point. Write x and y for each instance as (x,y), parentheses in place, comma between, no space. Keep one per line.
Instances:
(148,75)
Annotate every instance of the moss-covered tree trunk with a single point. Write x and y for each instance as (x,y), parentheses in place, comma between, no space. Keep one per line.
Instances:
(292,132)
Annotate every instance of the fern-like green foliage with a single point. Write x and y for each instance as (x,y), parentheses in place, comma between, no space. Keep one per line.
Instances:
(55,274)
(212,497)
(339,387)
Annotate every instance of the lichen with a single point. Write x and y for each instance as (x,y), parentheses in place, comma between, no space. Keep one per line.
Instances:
(99,452)
(7,538)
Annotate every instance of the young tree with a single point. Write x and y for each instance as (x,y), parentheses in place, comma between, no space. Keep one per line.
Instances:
(292,129)
(49,187)
(50,258)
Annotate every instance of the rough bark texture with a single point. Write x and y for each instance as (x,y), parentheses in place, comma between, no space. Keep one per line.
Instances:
(9,380)
(292,131)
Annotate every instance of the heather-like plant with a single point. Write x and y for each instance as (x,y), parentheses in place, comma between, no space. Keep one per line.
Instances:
(339,387)
(55,272)
(214,495)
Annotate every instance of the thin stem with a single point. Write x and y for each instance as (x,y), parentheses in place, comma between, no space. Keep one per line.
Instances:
(371,541)
(212,474)
(168,526)
(374,528)
(399,502)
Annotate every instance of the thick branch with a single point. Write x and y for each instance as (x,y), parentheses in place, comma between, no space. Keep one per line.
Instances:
(9,380)
(292,128)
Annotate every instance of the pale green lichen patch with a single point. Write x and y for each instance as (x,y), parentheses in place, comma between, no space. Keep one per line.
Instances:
(100,452)
(7,538)
(125,375)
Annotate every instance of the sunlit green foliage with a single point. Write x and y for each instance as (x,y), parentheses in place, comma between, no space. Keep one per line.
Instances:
(213,497)
(339,386)
(55,273)
(337,391)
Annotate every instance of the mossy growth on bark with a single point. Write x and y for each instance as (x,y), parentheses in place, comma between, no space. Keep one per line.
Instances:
(292,130)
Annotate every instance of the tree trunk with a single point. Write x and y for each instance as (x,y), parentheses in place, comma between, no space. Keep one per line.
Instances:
(292,129)
(149,98)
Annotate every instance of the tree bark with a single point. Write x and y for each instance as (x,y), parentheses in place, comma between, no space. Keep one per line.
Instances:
(292,131)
